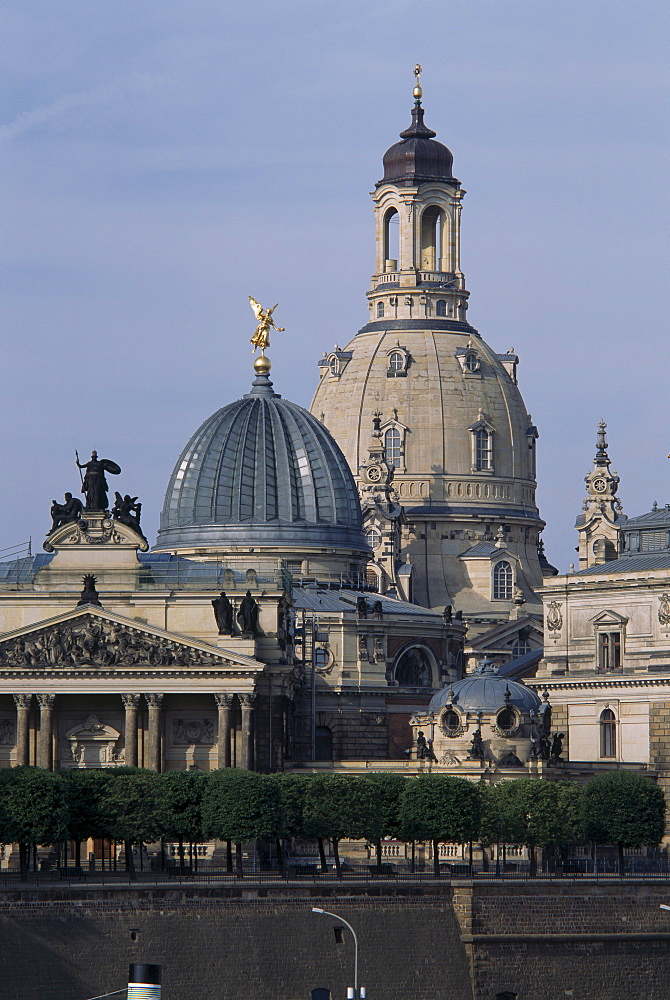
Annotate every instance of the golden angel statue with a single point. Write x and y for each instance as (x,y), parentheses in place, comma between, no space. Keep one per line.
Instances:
(261,338)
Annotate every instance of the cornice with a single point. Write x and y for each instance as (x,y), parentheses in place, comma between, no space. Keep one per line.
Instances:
(621,682)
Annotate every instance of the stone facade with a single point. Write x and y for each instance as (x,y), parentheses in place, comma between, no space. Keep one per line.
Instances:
(462,940)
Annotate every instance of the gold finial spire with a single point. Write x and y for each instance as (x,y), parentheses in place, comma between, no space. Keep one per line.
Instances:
(261,338)
(418,92)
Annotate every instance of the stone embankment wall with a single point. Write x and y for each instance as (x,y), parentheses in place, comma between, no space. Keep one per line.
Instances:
(430,941)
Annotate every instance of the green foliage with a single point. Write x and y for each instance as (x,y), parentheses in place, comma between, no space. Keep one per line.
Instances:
(241,806)
(292,791)
(184,793)
(135,801)
(622,808)
(390,788)
(531,812)
(440,808)
(339,806)
(85,792)
(34,806)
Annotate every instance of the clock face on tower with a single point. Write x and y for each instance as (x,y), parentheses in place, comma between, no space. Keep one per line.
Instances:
(599,485)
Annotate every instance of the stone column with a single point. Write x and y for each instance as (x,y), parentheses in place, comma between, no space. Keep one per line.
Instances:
(22,702)
(224,703)
(45,742)
(154,701)
(247,701)
(131,703)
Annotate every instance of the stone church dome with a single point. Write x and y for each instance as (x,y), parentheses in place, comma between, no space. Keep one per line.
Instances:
(445,407)
(485,691)
(261,472)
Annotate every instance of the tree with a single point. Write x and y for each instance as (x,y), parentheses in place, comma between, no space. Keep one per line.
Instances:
(88,816)
(34,809)
(533,813)
(338,806)
(623,809)
(390,788)
(440,808)
(241,806)
(184,792)
(135,801)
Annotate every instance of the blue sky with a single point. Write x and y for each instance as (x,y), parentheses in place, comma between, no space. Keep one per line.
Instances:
(164,159)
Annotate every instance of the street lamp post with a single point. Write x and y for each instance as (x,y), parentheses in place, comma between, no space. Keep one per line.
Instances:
(356,995)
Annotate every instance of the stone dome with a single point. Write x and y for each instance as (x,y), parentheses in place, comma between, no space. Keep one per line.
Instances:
(262,472)
(418,157)
(485,691)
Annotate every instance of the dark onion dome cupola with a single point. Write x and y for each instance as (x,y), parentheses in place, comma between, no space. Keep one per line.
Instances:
(263,475)
(418,157)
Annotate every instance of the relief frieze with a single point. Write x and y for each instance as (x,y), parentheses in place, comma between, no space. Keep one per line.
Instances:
(90,641)
(190,732)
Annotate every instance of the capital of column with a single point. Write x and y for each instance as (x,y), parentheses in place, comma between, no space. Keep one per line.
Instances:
(224,700)
(23,700)
(154,700)
(131,700)
(46,700)
(247,700)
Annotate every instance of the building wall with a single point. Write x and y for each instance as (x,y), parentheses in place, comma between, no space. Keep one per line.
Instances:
(438,942)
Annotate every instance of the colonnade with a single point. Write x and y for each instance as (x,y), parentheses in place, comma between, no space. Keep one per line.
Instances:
(132,704)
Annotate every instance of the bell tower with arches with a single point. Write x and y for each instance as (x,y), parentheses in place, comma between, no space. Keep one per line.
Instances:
(452,422)
(418,213)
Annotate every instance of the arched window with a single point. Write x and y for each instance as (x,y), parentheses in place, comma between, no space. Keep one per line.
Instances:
(607,733)
(334,366)
(323,743)
(396,361)
(521,647)
(373,537)
(393,446)
(482,450)
(413,668)
(502,581)
(472,362)
(431,239)
(380,309)
(391,239)
(441,308)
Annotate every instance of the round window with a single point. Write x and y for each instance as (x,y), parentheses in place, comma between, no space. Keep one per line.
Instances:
(451,722)
(506,720)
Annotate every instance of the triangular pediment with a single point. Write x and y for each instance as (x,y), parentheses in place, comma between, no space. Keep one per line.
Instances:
(92,637)
(608,618)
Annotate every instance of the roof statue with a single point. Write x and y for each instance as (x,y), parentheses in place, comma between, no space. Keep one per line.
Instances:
(261,338)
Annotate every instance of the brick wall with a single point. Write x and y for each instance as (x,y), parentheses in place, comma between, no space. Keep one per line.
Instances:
(659,748)
(601,941)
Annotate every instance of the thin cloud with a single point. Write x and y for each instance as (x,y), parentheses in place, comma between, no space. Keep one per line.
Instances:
(27,121)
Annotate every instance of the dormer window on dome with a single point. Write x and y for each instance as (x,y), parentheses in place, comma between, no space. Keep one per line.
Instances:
(398,362)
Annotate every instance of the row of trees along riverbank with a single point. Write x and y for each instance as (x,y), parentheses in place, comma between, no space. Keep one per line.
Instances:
(137,806)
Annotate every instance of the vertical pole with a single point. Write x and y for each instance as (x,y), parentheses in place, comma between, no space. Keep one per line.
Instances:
(314,627)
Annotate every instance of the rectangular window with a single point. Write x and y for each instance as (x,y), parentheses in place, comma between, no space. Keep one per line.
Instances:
(609,651)
(483,451)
